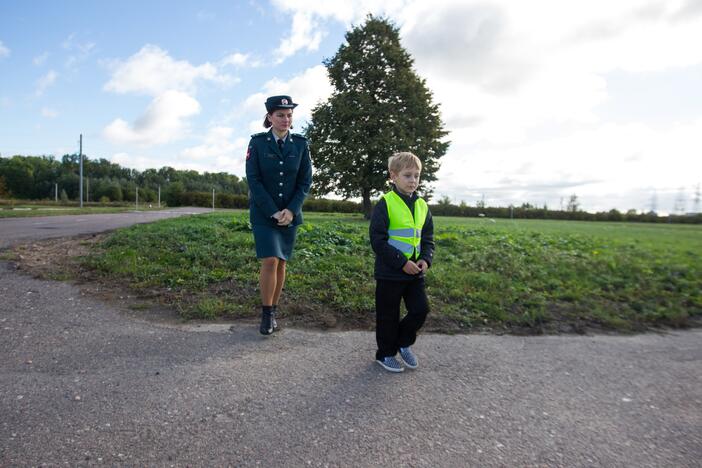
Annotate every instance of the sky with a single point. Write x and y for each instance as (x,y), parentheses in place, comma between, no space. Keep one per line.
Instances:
(543,99)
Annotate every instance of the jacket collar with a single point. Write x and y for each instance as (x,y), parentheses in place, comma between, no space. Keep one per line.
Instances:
(406,198)
(273,143)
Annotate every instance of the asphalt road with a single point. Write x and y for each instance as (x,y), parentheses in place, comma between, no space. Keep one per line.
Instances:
(87,383)
(15,230)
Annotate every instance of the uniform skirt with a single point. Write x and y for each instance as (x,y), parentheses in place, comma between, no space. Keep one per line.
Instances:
(274,241)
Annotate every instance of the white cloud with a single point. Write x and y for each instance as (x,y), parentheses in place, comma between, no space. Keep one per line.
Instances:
(522,92)
(306,34)
(49,113)
(4,51)
(138,162)
(511,67)
(216,142)
(220,151)
(162,122)
(40,59)
(232,161)
(79,51)
(606,166)
(45,82)
(307,29)
(152,71)
(519,91)
(307,89)
(241,61)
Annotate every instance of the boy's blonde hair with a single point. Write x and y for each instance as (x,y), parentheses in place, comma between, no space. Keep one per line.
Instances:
(403,160)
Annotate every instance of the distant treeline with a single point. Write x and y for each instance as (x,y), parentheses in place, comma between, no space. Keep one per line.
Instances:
(34,178)
(37,177)
(528,211)
(446,209)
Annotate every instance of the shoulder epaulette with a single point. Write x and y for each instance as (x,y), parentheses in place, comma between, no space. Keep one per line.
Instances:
(298,135)
(259,134)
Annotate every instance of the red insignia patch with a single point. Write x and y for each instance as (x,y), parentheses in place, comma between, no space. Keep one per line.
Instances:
(248,153)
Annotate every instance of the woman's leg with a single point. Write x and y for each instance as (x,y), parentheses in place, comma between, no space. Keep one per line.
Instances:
(280,280)
(268,280)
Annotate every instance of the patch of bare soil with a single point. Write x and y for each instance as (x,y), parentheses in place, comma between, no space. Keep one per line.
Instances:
(61,259)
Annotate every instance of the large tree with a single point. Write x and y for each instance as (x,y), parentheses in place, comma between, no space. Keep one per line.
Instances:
(379,105)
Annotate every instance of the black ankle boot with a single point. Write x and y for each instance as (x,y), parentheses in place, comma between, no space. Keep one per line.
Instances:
(274,322)
(266,320)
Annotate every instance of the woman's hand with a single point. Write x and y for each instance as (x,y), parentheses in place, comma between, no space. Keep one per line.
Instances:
(286,217)
(423,265)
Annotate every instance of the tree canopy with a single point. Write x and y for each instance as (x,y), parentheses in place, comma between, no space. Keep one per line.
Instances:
(35,177)
(379,106)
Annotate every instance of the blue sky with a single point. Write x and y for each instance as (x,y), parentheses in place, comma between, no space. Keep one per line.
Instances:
(543,99)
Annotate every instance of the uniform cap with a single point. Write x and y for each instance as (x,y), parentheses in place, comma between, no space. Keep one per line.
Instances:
(279,102)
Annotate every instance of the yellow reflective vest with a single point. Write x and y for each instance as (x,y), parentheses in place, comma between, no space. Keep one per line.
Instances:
(405,230)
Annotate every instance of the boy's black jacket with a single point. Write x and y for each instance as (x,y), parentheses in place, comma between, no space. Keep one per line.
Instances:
(388,260)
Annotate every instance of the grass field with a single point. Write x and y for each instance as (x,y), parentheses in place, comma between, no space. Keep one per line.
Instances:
(520,276)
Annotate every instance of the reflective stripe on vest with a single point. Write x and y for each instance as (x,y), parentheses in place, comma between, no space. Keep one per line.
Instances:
(405,230)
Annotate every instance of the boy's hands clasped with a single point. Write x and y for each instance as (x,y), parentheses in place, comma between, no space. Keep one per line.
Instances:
(412,268)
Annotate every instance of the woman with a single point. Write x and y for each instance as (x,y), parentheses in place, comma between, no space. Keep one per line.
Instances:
(279,174)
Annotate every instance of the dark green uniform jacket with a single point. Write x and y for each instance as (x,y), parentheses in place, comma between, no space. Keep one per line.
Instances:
(277,180)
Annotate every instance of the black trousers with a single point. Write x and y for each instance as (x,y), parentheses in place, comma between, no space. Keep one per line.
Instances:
(391,333)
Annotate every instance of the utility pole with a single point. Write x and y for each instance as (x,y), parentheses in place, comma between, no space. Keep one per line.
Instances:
(56,193)
(87,189)
(137,199)
(213,199)
(679,206)
(697,199)
(159,196)
(80,153)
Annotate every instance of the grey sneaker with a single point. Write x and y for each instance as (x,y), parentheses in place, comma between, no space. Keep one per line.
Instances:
(391,364)
(409,357)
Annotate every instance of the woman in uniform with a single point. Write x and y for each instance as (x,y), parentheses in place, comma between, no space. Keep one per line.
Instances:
(279,174)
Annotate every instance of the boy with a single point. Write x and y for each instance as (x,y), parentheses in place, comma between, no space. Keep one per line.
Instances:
(402,237)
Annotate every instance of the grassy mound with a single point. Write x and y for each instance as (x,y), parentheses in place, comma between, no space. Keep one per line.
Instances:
(531,276)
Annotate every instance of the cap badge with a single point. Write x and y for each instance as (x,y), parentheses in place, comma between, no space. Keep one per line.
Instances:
(284,102)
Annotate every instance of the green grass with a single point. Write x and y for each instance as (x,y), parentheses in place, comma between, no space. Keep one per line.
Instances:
(518,275)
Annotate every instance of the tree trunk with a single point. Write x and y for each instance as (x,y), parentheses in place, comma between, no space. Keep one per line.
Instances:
(366,204)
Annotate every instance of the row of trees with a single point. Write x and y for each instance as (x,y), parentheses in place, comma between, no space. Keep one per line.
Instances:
(33,178)
(573,212)
(446,208)
(36,177)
